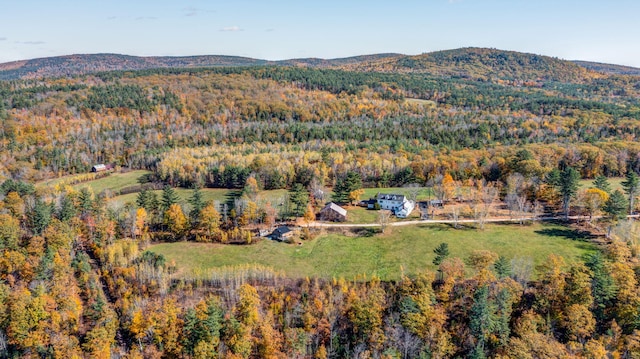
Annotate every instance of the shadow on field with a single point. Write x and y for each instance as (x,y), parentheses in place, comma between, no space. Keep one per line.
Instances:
(572,234)
(445,227)
(365,232)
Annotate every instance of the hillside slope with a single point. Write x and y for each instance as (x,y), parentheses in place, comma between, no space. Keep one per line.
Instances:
(482,64)
(84,64)
(609,68)
(470,63)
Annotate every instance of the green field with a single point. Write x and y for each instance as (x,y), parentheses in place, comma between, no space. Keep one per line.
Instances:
(421,102)
(410,247)
(114,182)
(615,182)
(221,195)
(424,193)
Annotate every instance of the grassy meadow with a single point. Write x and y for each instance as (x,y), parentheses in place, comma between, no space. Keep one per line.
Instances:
(114,182)
(615,182)
(407,248)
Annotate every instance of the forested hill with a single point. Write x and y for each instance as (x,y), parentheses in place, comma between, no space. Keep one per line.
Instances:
(609,68)
(84,64)
(470,63)
(483,64)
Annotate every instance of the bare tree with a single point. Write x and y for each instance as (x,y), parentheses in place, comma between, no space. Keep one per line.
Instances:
(515,185)
(399,337)
(413,190)
(384,216)
(489,194)
(523,207)
(438,188)
(317,191)
(538,209)
(455,215)
(522,270)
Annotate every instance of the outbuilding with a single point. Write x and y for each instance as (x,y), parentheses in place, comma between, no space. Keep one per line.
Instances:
(282,233)
(334,213)
(98,168)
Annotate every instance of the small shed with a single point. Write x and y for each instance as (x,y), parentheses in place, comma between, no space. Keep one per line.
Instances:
(369,203)
(282,233)
(99,168)
(333,212)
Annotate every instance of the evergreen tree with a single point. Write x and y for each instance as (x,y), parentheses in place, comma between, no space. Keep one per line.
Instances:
(481,319)
(345,185)
(631,187)
(202,324)
(39,217)
(566,182)
(169,197)
(553,177)
(502,267)
(86,200)
(300,198)
(616,206)
(22,188)
(501,325)
(602,286)
(602,183)
(442,252)
(143,199)
(67,208)
(197,204)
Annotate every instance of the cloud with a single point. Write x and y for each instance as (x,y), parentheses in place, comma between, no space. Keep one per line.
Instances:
(112,17)
(146,18)
(231,28)
(30,42)
(270,30)
(3,39)
(191,11)
(194,11)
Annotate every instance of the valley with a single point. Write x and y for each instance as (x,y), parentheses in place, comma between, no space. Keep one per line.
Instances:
(172,207)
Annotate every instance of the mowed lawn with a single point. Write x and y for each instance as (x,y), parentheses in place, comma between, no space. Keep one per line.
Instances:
(114,182)
(221,195)
(407,248)
(615,182)
(423,193)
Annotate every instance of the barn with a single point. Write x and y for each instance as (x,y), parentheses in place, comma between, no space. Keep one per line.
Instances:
(333,212)
(98,168)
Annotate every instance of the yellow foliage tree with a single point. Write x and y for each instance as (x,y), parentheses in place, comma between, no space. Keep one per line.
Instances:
(175,220)
(141,223)
(354,196)
(14,204)
(593,199)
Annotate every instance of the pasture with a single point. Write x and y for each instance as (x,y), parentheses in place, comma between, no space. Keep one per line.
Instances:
(408,248)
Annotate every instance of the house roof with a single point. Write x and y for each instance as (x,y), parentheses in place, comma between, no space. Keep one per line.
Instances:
(336,208)
(391,197)
(281,230)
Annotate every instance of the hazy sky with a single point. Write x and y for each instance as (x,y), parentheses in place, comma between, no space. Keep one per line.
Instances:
(605,31)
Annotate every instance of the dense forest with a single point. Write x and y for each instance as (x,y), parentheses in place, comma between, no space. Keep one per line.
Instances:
(76,280)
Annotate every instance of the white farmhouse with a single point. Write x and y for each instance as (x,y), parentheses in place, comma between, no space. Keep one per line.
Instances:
(396,203)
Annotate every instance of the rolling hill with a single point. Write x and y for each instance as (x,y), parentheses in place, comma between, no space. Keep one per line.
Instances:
(609,68)
(469,63)
(482,64)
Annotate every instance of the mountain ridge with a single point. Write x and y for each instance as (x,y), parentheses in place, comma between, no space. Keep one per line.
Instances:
(477,63)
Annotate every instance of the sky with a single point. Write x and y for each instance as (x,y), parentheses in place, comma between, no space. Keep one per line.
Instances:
(603,31)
